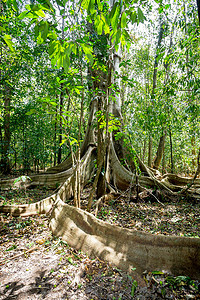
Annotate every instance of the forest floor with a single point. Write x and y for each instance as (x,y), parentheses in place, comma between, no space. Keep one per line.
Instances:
(36,265)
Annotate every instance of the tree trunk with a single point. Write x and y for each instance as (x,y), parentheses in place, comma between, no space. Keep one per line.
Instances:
(5,164)
(155,70)
(193,152)
(144,150)
(60,124)
(159,153)
(150,151)
(171,151)
(55,135)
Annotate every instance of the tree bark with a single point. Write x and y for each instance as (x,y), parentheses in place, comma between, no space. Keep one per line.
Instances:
(155,70)
(159,153)
(5,164)
(150,151)
(60,124)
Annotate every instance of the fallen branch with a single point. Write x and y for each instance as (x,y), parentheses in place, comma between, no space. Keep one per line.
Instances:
(18,255)
(152,194)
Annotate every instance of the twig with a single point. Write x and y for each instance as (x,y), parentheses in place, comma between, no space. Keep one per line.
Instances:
(152,194)
(18,255)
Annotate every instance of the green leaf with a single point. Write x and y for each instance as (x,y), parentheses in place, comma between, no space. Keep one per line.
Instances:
(53,103)
(90,57)
(133,288)
(12,248)
(68,49)
(74,141)
(118,35)
(22,15)
(88,52)
(14,3)
(123,20)
(59,60)
(2,28)
(85,4)
(91,7)
(45,30)
(40,13)
(100,5)
(63,141)
(34,7)
(114,19)
(157,272)
(52,48)
(52,35)
(134,17)
(106,28)
(40,39)
(100,28)
(74,49)
(113,10)
(66,63)
(31,112)
(8,40)
(62,11)
(70,260)
(141,16)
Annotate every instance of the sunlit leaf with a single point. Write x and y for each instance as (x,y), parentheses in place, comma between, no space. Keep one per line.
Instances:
(123,20)
(8,40)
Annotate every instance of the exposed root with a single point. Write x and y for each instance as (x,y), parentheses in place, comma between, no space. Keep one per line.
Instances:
(25,210)
(125,248)
(52,180)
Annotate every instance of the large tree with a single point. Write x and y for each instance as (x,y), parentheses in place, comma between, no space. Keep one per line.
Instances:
(106,142)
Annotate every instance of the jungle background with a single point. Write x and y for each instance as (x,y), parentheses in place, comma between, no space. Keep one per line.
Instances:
(58,59)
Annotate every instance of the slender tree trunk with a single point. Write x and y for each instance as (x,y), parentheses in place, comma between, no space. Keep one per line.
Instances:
(78,177)
(150,151)
(7,136)
(163,162)
(193,152)
(155,70)
(60,124)
(159,153)
(61,95)
(55,136)
(171,151)
(144,150)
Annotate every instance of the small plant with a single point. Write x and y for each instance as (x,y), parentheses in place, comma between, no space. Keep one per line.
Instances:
(2,198)
(180,281)
(23,224)
(133,288)
(21,182)
(13,247)
(22,178)
(134,284)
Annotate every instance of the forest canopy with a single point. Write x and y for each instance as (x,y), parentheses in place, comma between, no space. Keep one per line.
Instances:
(52,53)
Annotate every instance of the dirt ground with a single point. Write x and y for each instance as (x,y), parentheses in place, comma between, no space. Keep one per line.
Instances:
(36,265)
